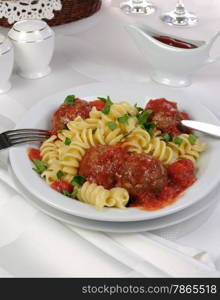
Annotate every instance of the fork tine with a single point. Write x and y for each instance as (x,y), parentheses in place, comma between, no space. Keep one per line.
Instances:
(20,136)
(26,140)
(19,131)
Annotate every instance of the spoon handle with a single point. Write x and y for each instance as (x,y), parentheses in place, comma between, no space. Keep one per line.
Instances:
(210,129)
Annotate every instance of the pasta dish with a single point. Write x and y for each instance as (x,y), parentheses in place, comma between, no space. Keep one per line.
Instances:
(117,155)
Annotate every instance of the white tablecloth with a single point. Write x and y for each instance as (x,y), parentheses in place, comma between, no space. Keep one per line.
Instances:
(99,49)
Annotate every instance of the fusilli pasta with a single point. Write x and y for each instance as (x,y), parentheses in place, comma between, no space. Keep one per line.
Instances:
(186,149)
(100,197)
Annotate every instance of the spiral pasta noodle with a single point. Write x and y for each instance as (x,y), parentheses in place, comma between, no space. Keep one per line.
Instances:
(117,110)
(118,197)
(49,150)
(50,174)
(186,149)
(100,197)
(159,149)
(70,157)
(137,141)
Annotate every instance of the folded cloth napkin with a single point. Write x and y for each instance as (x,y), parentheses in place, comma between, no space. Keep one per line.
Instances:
(33,244)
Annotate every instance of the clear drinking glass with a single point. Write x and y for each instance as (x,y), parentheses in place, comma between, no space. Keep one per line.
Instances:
(179,16)
(138,7)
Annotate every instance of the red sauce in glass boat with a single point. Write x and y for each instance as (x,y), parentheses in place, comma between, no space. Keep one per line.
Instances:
(174,42)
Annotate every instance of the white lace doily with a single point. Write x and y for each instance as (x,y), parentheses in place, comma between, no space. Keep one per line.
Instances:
(15,11)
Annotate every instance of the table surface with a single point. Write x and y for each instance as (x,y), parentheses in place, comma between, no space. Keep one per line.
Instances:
(99,49)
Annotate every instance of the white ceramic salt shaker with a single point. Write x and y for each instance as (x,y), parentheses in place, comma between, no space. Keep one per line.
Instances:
(6,63)
(33,42)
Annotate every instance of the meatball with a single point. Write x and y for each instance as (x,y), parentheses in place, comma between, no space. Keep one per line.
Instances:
(167,117)
(69,112)
(142,174)
(102,164)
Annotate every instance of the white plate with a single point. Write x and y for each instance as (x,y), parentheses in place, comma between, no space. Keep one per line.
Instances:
(174,225)
(39,117)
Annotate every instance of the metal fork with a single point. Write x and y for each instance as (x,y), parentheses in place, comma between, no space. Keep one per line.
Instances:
(20,136)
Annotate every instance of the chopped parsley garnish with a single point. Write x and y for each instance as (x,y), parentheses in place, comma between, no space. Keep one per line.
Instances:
(143,117)
(60,130)
(144,123)
(106,100)
(108,104)
(149,127)
(192,139)
(112,125)
(167,137)
(178,140)
(60,174)
(124,119)
(77,180)
(139,109)
(72,195)
(106,109)
(67,141)
(69,100)
(41,166)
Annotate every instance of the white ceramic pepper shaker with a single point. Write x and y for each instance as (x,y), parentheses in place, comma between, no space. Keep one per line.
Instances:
(6,63)
(33,42)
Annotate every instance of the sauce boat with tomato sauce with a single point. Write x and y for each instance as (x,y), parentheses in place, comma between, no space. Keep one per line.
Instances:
(171,65)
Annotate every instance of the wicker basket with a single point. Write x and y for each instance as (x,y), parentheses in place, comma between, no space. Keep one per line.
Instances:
(72,10)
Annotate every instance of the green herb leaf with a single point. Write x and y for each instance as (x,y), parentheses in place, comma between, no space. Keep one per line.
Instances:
(67,141)
(139,109)
(112,125)
(41,166)
(178,140)
(149,127)
(106,109)
(124,119)
(36,170)
(77,180)
(143,117)
(60,174)
(192,139)
(65,193)
(167,137)
(70,99)
(72,195)
(106,100)
(60,130)
(102,99)
(108,103)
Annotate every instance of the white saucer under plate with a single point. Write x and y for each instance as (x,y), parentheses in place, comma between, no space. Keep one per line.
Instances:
(39,117)
(172,226)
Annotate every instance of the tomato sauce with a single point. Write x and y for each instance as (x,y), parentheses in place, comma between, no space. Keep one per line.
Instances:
(34,154)
(98,104)
(62,185)
(175,42)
